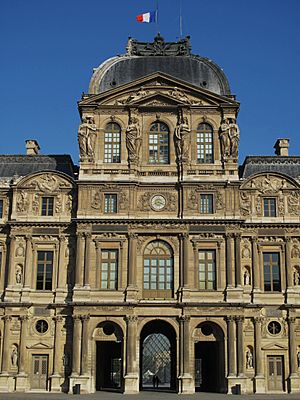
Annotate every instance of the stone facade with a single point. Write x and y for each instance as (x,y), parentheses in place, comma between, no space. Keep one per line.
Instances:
(161,263)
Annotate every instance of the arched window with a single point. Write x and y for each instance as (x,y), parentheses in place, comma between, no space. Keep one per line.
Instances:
(158,270)
(112,143)
(205,148)
(159,143)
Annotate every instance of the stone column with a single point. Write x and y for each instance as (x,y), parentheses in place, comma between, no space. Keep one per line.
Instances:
(231,351)
(76,345)
(87,259)
(255,265)
(79,260)
(229,263)
(185,266)
(289,271)
(61,271)
(6,345)
(238,272)
(59,320)
(131,377)
(240,347)
(11,269)
(22,349)
(258,358)
(292,347)
(28,264)
(132,239)
(85,344)
(132,289)
(187,385)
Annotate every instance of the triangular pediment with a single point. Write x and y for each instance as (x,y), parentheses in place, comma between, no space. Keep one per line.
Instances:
(171,90)
(274,346)
(40,346)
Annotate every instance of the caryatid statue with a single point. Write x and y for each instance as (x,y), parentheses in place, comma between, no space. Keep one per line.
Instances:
(229,137)
(133,140)
(86,138)
(182,138)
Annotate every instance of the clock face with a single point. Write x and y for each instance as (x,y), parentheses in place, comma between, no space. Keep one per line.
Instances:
(158,202)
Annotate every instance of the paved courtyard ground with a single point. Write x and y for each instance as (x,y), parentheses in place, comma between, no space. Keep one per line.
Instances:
(144,396)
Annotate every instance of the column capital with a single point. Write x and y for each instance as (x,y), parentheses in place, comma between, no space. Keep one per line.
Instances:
(12,237)
(291,320)
(184,318)
(238,235)
(184,235)
(288,239)
(258,320)
(24,318)
(240,319)
(77,318)
(230,318)
(132,235)
(254,239)
(131,319)
(88,235)
(229,235)
(28,238)
(7,318)
(85,318)
(58,318)
(62,238)
(80,235)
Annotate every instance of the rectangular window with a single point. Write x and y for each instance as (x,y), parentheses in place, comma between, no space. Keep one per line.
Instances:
(44,270)
(47,206)
(269,207)
(207,269)
(206,204)
(110,203)
(1,208)
(205,147)
(112,146)
(272,272)
(109,269)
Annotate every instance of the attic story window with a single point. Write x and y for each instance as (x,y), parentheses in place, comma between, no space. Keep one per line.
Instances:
(205,144)
(47,206)
(112,143)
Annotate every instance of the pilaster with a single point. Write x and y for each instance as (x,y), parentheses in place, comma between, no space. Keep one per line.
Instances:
(186,377)
(132,376)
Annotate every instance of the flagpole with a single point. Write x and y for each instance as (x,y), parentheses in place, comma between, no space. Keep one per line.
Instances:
(156,16)
(180,19)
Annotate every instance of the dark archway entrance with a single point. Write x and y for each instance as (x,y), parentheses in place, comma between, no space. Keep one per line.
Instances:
(209,358)
(158,357)
(109,360)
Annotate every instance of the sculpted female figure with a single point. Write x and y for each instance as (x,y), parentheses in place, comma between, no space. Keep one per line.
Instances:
(133,139)
(225,140)
(86,138)
(182,136)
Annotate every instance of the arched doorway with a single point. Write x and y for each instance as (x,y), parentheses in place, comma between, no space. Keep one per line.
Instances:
(209,358)
(109,356)
(158,356)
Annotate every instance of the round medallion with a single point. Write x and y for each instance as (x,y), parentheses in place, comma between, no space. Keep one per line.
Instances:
(158,202)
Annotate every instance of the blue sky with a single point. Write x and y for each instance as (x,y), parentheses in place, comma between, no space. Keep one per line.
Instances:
(49,48)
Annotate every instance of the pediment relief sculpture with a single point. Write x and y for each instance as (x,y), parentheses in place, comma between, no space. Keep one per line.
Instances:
(47,183)
(268,184)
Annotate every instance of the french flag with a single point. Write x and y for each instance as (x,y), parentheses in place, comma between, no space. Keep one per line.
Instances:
(147,17)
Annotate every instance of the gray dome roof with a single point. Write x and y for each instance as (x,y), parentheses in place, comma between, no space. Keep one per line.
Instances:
(174,59)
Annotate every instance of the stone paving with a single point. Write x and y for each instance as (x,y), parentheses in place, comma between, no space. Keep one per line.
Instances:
(144,396)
